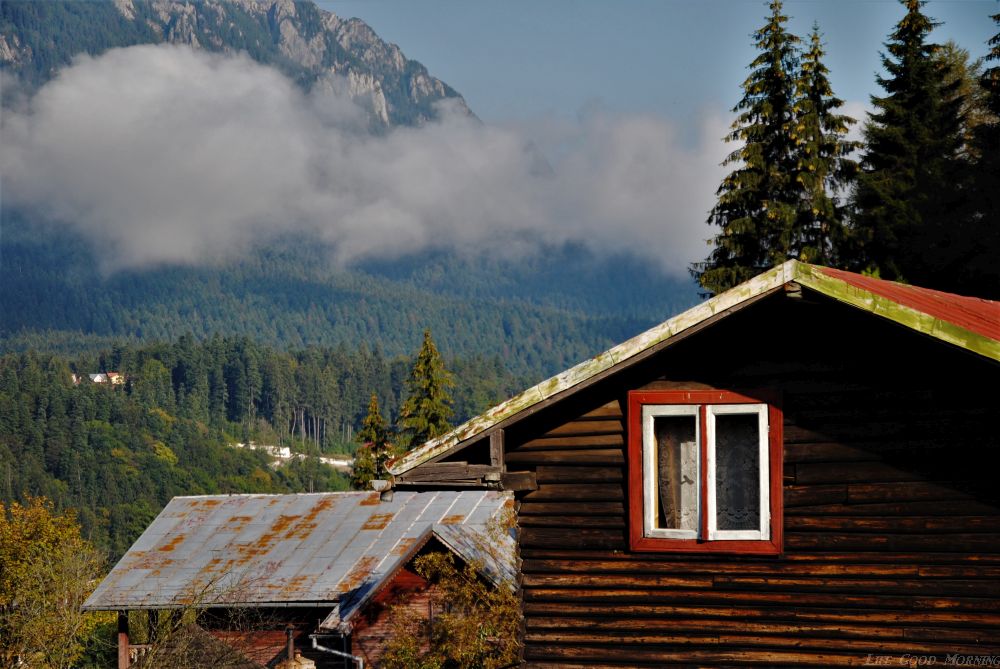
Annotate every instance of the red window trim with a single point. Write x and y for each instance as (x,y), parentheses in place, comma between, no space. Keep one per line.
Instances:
(637,540)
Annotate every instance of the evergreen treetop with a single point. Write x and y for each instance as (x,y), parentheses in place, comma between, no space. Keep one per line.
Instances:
(758,201)
(981,268)
(374,450)
(991,76)
(908,188)
(825,167)
(427,410)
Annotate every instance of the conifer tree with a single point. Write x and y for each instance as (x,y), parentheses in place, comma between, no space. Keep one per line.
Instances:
(759,201)
(374,450)
(825,168)
(909,187)
(427,409)
(982,268)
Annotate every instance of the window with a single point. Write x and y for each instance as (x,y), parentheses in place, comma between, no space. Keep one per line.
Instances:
(704,471)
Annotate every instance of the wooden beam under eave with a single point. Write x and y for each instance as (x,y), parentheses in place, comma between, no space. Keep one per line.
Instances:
(497,449)
(518,481)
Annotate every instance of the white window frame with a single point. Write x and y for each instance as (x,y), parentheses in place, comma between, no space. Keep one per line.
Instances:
(651,471)
(763,533)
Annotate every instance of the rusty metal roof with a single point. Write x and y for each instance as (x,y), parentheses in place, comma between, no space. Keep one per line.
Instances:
(971,313)
(323,549)
(967,322)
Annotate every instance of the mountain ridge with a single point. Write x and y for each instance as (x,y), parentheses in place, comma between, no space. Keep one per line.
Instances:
(540,311)
(315,48)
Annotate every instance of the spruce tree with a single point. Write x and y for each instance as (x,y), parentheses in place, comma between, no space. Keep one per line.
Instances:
(909,187)
(374,448)
(982,268)
(759,201)
(427,409)
(825,168)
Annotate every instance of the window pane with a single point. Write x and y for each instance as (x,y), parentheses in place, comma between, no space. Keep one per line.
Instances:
(737,471)
(677,472)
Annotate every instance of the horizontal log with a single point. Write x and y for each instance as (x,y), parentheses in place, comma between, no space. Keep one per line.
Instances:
(591,492)
(779,568)
(616,522)
(710,625)
(741,625)
(978,571)
(765,584)
(567,474)
(965,507)
(812,495)
(645,611)
(814,557)
(556,443)
(958,543)
(897,525)
(776,598)
(862,493)
(540,655)
(851,472)
(951,588)
(615,581)
(533,508)
(577,428)
(610,410)
(572,537)
(581,457)
(701,641)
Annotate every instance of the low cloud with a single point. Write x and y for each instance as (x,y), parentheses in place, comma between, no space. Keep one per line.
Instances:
(162,154)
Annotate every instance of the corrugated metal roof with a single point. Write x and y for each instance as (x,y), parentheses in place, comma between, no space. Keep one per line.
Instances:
(971,323)
(304,550)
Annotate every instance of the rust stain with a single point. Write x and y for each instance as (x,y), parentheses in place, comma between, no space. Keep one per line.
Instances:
(378,521)
(304,528)
(455,519)
(211,502)
(172,544)
(282,523)
(295,584)
(237,523)
(358,574)
(403,547)
(372,500)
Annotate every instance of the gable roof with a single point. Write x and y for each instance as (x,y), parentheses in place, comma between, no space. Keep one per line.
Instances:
(323,549)
(967,322)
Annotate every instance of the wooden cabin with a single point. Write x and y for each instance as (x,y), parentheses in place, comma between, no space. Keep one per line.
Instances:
(798,472)
(270,575)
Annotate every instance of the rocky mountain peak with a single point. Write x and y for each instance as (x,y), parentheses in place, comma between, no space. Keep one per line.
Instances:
(312,46)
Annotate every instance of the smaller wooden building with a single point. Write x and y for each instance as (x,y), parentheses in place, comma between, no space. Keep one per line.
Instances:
(798,472)
(318,571)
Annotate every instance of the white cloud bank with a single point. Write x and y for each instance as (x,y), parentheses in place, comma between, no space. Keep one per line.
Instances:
(167,155)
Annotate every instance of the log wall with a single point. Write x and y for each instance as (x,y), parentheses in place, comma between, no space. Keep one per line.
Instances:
(891,520)
(373,628)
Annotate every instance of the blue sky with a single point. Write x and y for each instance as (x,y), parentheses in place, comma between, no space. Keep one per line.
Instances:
(517,60)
